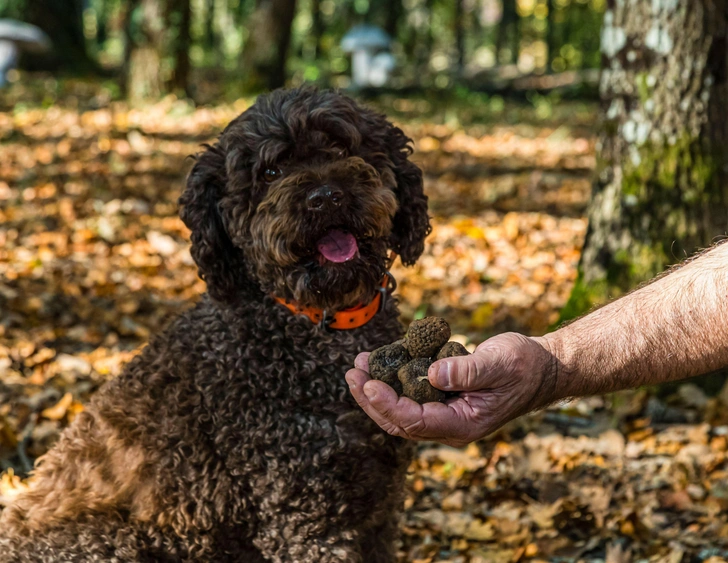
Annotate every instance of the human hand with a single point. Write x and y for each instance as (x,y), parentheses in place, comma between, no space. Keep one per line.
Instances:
(506,377)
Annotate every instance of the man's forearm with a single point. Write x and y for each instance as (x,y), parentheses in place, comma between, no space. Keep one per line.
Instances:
(676,327)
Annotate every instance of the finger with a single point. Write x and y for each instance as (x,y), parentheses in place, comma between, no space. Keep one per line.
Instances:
(448,423)
(362,361)
(357,379)
(456,424)
(462,373)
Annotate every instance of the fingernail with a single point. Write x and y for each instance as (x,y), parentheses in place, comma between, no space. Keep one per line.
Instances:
(443,375)
(370,393)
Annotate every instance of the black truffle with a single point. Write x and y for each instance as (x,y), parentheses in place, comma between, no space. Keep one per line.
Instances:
(415,384)
(426,336)
(384,363)
(451,349)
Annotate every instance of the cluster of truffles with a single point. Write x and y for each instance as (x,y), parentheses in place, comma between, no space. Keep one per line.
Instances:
(403,365)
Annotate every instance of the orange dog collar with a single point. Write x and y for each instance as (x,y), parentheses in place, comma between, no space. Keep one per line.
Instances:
(346,319)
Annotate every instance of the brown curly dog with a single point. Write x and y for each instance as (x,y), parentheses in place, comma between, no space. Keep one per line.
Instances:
(232,436)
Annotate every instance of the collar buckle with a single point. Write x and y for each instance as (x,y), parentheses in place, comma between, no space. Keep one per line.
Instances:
(326,320)
(386,289)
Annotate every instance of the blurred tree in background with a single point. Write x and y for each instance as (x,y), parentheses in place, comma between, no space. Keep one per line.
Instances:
(265,52)
(146,29)
(181,46)
(662,187)
(63,22)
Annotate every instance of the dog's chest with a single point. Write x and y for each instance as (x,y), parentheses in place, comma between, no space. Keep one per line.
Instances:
(286,392)
(300,365)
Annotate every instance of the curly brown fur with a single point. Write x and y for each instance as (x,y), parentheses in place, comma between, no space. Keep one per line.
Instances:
(232,436)
(263,228)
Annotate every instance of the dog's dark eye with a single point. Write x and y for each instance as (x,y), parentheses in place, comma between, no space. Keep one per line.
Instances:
(271,174)
(340,151)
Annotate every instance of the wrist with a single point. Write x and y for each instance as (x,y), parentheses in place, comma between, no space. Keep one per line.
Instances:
(555,386)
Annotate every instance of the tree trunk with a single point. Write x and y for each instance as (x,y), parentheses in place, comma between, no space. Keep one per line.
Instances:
(551,34)
(210,40)
(394,14)
(265,52)
(430,34)
(103,20)
(507,35)
(662,186)
(144,79)
(180,78)
(459,35)
(63,22)
(241,14)
(317,26)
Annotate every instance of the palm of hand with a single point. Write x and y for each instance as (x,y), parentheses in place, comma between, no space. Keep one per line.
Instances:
(505,377)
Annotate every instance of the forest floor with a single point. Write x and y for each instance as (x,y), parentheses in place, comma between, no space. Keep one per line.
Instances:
(93,260)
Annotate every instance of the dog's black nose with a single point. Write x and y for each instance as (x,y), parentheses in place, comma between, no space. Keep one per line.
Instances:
(325,198)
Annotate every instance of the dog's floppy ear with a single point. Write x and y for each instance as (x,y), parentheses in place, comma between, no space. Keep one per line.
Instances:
(219,263)
(411,223)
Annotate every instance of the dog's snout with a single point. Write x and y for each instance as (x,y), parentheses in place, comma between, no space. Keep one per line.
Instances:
(324,198)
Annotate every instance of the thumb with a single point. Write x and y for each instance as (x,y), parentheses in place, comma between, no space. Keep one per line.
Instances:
(462,373)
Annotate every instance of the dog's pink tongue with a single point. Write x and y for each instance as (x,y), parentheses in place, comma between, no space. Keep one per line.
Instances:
(338,246)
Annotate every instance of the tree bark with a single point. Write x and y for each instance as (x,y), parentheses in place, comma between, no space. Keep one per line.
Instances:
(103,22)
(551,34)
(459,35)
(662,186)
(209,37)
(144,80)
(317,26)
(180,78)
(395,9)
(265,52)
(507,35)
(211,41)
(426,53)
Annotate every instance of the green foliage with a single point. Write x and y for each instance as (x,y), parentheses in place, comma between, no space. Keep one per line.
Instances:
(12,9)
(630,267)
(661,168)
(583,298)
(522,32)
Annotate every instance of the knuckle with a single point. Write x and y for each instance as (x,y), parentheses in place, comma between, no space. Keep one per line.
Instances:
(394,430)
(415,428)
(474,368)
(389,413)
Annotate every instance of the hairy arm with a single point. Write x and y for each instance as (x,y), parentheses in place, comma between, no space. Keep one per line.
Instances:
(673,328)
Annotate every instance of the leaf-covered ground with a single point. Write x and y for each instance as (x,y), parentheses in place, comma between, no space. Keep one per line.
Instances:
(93,259)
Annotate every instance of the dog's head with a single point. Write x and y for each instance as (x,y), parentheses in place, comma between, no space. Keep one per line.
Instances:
(302,197)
